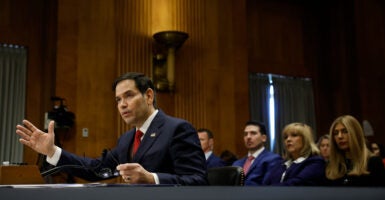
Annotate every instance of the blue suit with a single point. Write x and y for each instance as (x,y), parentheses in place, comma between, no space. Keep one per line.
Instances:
(310,172)
(260,167)
(214,161)
(170,148)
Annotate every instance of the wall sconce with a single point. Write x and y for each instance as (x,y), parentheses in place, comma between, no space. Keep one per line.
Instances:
(164,67)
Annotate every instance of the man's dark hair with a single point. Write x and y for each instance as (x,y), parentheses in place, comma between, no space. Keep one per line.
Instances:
(262,127)
(142,82)
(209,133)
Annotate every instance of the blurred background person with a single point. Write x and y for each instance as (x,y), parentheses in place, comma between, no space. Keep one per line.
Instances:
(324,146)
(303,166)
(351,163)
(228,157)
(206,138)
(378,150)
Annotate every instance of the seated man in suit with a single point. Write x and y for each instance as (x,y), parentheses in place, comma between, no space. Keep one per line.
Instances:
(207,142)
(258,161)
(159,150)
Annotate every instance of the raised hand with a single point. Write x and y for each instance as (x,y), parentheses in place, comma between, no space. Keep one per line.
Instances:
(36,139)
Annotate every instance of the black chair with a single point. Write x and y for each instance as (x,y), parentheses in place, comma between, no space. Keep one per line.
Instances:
(228,175)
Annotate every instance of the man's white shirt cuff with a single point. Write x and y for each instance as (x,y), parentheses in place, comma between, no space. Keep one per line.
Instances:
(156,178)
(56,156)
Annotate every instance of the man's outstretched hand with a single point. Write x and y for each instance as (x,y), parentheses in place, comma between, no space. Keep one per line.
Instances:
(36,139)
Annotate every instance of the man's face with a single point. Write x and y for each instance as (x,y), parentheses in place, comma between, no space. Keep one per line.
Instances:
(206,142)
(132,105)
(253,138)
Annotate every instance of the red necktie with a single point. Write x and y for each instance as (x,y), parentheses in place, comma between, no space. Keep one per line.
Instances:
(138,136)
(247,164)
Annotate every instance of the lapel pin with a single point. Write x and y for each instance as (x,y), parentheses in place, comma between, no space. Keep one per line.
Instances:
(153,135)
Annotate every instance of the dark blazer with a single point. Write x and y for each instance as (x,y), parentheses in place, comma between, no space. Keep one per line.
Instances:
(170,148)
(214,161)
(375,178)
(310,172)
(260,167)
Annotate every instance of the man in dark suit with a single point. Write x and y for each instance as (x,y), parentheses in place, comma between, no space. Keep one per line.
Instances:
(259,161)
(206,138)
(168,149)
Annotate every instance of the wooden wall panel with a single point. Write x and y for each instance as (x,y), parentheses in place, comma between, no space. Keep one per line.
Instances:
(96,51)
(370,39)
(276,38)
(350,60)
(66,66)
(98,40)
(204,83)
(134,41)
(240,68)
(85,72)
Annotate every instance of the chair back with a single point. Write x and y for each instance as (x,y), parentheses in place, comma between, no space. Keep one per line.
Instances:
(228,175)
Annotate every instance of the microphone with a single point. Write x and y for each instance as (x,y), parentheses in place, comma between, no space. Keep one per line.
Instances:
(103,173)
(60,168)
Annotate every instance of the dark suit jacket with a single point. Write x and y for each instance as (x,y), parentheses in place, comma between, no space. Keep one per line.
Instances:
(214,161)
(260,167)
(310,172)
(375,178)
(170,148)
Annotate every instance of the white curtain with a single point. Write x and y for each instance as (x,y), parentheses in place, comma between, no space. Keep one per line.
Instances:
(13,66)
(294,102)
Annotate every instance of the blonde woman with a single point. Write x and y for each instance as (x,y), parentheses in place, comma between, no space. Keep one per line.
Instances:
(303,165)
(350,162)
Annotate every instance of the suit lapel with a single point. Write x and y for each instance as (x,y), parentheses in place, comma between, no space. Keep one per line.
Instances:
(127,143)
(257,160)
(153,132)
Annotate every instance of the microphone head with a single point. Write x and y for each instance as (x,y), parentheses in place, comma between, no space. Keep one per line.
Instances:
(104,153)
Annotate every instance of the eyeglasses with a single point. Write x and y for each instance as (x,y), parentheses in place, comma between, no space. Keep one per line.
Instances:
(103,173)
(106,172)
